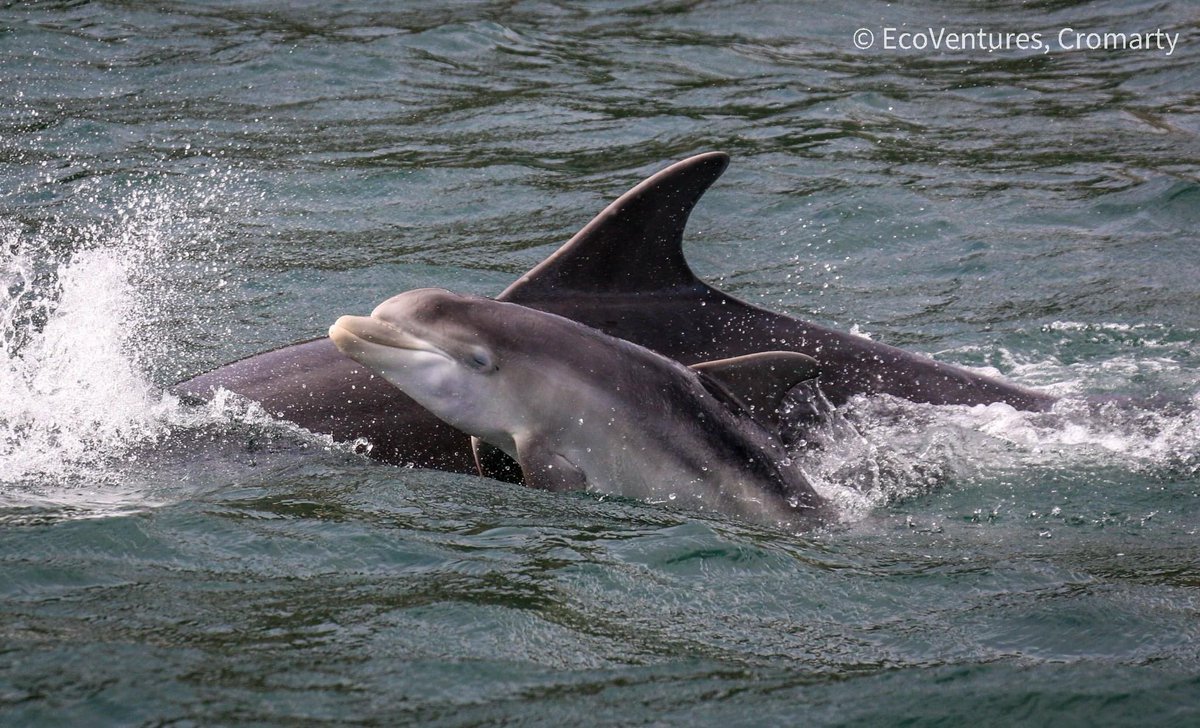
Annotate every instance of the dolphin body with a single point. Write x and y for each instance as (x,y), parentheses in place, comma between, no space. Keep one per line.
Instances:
(624,274)
(581,410)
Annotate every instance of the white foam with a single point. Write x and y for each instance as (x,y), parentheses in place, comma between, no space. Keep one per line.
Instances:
(76,323)
(856,330)
(885,449)
(878,449)
(73,388)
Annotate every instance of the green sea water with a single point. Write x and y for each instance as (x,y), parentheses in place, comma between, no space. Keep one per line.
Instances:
(185,183)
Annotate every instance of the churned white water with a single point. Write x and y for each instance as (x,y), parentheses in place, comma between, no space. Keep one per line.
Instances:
(81,314)
(875,450)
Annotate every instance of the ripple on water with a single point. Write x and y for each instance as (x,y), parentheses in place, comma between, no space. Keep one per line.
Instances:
(187,185)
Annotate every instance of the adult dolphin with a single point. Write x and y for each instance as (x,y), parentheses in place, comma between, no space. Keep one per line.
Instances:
(625,274)
(581,410)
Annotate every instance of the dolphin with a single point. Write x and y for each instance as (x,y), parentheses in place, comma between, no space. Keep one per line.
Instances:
(625,274)
(581,410)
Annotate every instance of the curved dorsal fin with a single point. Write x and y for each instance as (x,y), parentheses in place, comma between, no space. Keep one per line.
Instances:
(634,245)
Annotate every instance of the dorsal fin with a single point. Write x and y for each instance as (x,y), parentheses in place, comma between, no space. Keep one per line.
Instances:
(760,381)
(634,245)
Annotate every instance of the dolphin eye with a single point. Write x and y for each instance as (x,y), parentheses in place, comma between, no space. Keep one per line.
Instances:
(481,359)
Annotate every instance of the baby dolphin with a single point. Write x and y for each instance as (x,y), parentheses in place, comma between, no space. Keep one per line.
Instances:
(581,410)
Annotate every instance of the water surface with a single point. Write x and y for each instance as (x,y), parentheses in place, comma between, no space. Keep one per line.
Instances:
(186,183)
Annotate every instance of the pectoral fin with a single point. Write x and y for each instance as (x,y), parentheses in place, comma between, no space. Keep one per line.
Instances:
(492,462)
(759,381)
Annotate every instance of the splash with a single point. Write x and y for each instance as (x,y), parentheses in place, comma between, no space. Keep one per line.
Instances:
(87,313)
(72,393)
(861,457)
(877,450)
(1130,398)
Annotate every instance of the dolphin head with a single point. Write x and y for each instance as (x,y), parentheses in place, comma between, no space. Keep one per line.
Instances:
(435,346)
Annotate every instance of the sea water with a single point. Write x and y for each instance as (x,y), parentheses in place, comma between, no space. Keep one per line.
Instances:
(184,184)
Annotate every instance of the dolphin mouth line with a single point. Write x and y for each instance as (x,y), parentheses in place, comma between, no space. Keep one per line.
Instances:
(368,330)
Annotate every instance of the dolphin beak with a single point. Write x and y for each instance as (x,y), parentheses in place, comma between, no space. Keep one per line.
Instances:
(352,334)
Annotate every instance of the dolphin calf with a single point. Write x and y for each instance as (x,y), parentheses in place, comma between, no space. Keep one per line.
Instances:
(581,410)
(625,274)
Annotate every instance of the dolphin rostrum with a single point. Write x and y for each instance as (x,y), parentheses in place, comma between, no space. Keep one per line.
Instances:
(625,274)
(581,410)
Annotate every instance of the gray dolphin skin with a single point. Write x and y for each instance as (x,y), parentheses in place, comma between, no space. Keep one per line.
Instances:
(624,274)
(581,410)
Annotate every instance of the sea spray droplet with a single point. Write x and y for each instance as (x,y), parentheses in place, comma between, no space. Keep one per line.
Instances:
(80,312)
